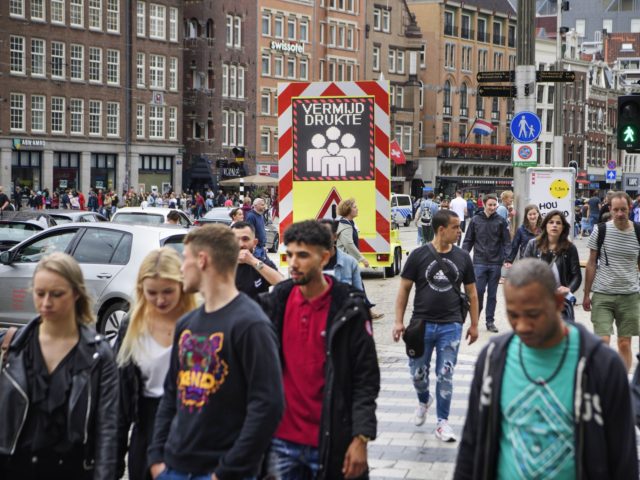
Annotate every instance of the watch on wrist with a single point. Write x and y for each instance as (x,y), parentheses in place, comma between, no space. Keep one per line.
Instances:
(259,266)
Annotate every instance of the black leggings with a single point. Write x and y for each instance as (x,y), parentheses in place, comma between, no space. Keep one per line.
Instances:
(140,439)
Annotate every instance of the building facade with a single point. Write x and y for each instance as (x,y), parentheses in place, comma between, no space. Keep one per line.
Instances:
(71,116)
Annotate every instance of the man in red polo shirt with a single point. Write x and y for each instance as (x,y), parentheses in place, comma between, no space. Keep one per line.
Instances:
(330,368)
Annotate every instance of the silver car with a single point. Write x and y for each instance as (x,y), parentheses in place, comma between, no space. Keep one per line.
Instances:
(109,255)
(148,216)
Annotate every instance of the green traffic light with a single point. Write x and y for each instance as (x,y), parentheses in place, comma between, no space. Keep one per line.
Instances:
(629,134)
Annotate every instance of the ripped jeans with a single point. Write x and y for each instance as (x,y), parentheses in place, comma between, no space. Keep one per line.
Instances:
(445,338)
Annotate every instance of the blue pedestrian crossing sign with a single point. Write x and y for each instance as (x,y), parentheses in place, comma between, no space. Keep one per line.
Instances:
(611,175)
(525,127)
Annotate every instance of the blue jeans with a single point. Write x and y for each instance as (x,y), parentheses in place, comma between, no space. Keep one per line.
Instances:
(487,278)
(292,461)
(593,220)
(170,474)
(445,338)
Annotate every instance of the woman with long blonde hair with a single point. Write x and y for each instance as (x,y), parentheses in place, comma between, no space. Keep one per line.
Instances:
(144,352)
(58,385)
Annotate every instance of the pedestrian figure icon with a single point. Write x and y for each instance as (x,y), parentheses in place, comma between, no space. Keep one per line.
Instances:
(629,134)
(525,127)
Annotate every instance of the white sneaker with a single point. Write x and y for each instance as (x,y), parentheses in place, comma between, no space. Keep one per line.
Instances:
(444,432)
(421,412)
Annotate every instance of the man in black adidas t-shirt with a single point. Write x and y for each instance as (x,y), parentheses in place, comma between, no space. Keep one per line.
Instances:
(438,304)
(254,275)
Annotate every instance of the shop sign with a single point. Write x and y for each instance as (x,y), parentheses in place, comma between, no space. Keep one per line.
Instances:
(99,184)
(63,184)
(23,143)
(632,181)
(287,47)
(398,179)
(231,172)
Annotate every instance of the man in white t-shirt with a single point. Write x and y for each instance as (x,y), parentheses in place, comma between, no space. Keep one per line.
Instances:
(459,205)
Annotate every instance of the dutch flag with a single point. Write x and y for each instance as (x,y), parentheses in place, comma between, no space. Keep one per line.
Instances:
(483,127)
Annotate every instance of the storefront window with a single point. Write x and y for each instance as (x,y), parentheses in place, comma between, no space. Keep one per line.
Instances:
(66,172)
(156,173)
(25,169)
(103,170)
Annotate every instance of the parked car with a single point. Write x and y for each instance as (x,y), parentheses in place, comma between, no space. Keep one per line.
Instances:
(63,216)
(37,217)
(109,255)
(18,226)
(147,216)
(221,215)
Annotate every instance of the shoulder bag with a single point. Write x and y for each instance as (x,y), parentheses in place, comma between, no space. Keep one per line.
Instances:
(6,343)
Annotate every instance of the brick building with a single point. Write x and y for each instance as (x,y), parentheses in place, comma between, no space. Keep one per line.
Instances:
(79,108)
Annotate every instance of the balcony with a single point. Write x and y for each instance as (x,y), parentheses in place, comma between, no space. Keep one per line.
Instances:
(483,37)
(495,116)
(464,112)
(498,39)
(480,113)
(446,110)
(451,31)
(467,33)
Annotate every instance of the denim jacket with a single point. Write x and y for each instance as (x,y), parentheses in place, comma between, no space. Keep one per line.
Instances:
(347,270)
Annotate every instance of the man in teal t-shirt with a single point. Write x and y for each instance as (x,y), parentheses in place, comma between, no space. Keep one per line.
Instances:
(548,400)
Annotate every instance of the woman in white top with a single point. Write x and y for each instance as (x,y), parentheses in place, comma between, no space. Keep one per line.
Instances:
(144,353)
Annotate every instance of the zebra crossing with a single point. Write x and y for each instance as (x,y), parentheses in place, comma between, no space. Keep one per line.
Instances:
(401,449)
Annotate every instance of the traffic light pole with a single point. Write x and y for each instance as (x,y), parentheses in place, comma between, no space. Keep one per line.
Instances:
(525,75)
(558,146)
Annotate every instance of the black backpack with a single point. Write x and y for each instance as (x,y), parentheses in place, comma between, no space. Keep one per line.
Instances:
(602,231)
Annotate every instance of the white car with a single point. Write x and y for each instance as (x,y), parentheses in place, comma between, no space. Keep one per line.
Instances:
(148,216)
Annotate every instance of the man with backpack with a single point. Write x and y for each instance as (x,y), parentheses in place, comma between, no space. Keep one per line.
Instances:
(612,277)
(426,211)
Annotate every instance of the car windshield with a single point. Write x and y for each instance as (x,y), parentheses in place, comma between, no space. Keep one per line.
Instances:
(404,201)
(16,232)
(60,219)
(131,218)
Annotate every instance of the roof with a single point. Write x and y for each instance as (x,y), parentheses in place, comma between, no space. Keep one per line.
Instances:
(502,6)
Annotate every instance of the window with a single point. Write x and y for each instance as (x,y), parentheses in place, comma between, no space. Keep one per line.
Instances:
(76,13)
(57,60)
(550,93)
(113,119)
(392,60)
(16,8)
(482,60)
(511,36)
(279,22)
(76,105)
(304,69)
(173,123)
(277,69)
(266,64)
(77,62)
(304,31)
(465,26)
(291,29)
(497,61)
(140,62)
(113,67)
(291,67)
(99,246)
(140,120)
(157,15)
(156,122)
(399,96)
(377,19)
(17,111)
(156,72)
(17,55)
(237,32)
(350,38)
(233,76)
(403,134)
(464,100)
(635,25)
(265,102)
(332,36)
(240,82)
(449,55)
(95,117)
(57,11)
(607,24)
(448,23)
(225,121)
(140,19)
(466,58)
(265,141)
(57,115)
(113,16)
(400,61)
(266,24)
(38,57)
(240,129)
(37,113)
(95,14)
(482,30)
(386,21)
(447,94)
(95,64)
(423,56)
(37,10)
(231,127)
(225,80)
(173,74)
(173,24)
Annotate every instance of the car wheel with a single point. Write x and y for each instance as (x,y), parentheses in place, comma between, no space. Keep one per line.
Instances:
(275,245)
(407,221)
(110,320)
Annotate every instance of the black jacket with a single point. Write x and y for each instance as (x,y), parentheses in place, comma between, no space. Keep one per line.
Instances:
(93,400)
(352,376)
(519,243)
(568,264)
(489,237)
(605,439)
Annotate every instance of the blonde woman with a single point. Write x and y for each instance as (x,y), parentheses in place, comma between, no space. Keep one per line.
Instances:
(144,351)
(348,240)
(58,385)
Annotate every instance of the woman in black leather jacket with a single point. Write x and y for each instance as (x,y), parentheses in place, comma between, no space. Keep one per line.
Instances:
(554,247)
(58,386)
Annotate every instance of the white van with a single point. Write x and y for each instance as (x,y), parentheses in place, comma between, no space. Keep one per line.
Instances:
(401,209)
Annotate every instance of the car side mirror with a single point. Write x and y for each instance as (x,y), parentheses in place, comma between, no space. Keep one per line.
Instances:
(5,258)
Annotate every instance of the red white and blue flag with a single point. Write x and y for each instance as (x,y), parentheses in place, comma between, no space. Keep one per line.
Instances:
(482,127)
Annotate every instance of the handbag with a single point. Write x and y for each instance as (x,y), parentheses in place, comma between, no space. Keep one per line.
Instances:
(465,303)
(6,343)
(413,338)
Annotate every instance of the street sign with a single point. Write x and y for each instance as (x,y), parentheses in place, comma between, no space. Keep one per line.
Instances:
(611,176)
(611,164)
(551,189)
(496,76)
(497,91)
(524,154)
(555,76)
(525,127)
